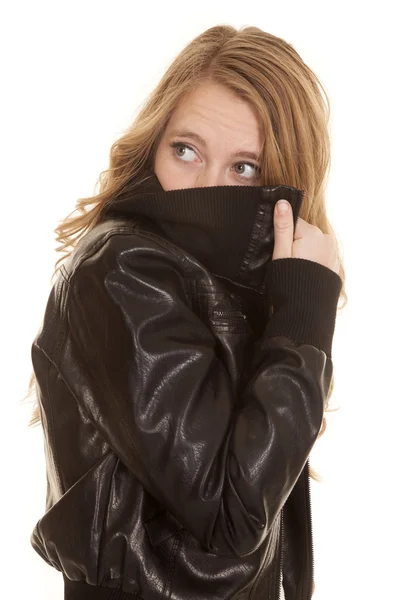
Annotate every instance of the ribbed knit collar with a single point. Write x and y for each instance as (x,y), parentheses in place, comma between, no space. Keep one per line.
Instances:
(228,229)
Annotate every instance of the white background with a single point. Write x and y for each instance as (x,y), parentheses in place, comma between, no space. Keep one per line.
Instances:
(73,77)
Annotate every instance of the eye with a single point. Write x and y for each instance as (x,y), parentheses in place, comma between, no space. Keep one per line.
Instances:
(256,169)
(180,145)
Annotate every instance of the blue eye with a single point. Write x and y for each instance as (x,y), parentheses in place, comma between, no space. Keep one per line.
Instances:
(256,169)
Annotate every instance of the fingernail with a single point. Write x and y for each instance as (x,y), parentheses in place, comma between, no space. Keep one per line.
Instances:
(282,207)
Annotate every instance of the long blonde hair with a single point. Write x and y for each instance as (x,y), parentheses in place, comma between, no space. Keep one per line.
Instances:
(262,69)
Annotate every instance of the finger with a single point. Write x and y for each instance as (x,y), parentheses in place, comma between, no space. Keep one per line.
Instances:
(283,231)
(302,228)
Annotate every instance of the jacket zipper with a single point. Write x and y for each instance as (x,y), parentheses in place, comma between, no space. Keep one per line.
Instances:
(254,587)
(309,519)
(309,516)
(228,314)
(280,559)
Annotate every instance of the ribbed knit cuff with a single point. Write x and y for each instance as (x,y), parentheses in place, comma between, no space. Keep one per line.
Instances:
(304,295)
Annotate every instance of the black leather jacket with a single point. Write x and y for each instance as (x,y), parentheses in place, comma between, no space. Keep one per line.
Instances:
(181,377)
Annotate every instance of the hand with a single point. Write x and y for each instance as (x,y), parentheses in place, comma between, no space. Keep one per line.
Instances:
(309,241)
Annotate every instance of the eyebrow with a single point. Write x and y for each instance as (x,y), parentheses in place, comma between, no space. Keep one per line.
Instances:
(198,138)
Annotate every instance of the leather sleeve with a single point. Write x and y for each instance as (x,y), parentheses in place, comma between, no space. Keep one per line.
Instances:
(144,367)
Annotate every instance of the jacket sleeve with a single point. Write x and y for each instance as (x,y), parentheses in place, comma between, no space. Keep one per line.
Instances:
(145,368)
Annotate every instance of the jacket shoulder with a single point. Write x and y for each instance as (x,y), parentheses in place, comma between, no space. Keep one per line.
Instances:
(109,239)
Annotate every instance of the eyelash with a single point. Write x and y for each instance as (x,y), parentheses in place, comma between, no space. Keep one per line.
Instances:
(256,168)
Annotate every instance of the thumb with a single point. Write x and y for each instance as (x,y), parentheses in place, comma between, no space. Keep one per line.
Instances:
(283,230)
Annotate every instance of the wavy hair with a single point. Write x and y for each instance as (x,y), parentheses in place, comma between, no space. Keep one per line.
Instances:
(293,109)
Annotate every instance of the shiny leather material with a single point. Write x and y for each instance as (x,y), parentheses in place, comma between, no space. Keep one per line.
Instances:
(176,436)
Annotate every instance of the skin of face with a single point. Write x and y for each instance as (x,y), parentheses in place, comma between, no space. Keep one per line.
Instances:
(227,125)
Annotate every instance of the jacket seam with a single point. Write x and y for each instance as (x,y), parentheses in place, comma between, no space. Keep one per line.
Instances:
(92,251)
(104,515)
(254,238)
(169,247)
(171,567)
(55,450)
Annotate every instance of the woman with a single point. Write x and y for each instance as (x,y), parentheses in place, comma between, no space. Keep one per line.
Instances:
(184,363)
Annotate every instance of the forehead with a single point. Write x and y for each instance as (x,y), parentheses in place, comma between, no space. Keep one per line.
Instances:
(216,110)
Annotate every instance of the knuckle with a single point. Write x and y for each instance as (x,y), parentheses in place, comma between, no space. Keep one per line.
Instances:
(330,240)
(284,225)
(316,231)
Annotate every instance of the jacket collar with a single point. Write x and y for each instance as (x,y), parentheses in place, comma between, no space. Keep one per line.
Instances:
(229,229)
